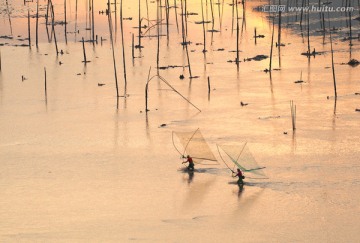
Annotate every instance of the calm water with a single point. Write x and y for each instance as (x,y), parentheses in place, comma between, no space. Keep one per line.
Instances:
(75,168)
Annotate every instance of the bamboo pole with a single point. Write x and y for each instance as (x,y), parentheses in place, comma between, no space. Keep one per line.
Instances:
(37,23)
(293,114)
(65,24)
(53,28)
(176,16)
(237,35)
(45,85)
(146,91)
(332,62)
(133,47)
(84,52)
(158,37)
(93,22)
(139,45)
(112,45)
(29,34)
(272,44)
(123,45)
(203,25)
(209,88)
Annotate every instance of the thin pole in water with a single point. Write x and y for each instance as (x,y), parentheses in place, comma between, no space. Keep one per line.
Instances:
(113,51)
(123,44)
(65,24)
(29,34)
(83,44)
(53,28)
(37,23)
(332,62)
(45,86)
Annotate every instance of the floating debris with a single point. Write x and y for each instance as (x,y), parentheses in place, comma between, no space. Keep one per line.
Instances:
(185,43)
(202,22)
(357,109)
(243,104)
(213,31)
(269,117)
(100,84)
(181,76)
(6,37)
(256,58)
(163,125)
(170,66)
(353,62)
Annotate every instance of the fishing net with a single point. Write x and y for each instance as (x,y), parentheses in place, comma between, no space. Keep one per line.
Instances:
(194,144)
(242,158)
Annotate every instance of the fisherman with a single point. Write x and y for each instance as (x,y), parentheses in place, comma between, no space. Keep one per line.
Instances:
(191,163)
(239,174)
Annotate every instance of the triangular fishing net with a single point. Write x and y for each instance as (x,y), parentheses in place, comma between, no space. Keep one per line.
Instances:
(194,144)
(242,158)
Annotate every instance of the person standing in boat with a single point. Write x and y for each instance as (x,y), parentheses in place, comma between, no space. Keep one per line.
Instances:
(191,163)
(239,174)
